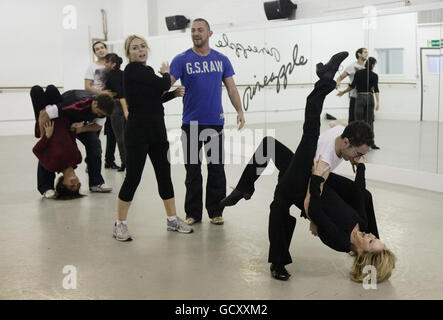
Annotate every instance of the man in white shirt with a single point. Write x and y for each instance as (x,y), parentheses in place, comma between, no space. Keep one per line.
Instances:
(95,82)
(361,55)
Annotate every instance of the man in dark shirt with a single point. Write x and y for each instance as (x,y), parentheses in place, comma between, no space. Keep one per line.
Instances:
(86,112)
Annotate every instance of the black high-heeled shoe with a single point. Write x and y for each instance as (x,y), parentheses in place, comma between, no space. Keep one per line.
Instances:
(233,198)
(279,272)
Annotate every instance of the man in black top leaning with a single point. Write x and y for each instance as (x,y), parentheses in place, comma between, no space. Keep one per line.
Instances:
(86,112)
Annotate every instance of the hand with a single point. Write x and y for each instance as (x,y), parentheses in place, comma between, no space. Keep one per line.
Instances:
(76,127)
(321,168)
(179,92)
(361,159)
(313,228)
(43,118)
(340,93)
(240,120)
(126,114)
(110,93)
(164,68)
(49,129)
(337,85)
(353,163)
(377,107)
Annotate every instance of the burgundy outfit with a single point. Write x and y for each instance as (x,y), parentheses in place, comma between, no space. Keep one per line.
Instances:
(60,151)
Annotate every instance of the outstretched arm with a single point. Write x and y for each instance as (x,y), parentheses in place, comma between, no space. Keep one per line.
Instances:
(340,79)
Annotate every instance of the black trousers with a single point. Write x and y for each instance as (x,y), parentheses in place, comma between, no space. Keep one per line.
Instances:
(351,115)
(364,108)
(143,137)
(110,141)
(291,189)
(90,140)
(118,126)
(194,137)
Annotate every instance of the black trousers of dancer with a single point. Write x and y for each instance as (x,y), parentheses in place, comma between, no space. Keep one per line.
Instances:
(146,136)
(111,141)
(194,137)
(364,108)
(45,179)
(292,186)
(351,114)
(118,126)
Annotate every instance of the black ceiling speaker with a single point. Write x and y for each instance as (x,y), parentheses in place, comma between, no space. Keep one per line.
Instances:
(279,9)
(176,22)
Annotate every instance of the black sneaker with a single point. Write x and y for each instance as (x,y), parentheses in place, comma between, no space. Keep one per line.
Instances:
(233,198)
(328,70)
(111,165)
(279,272)
(122,168)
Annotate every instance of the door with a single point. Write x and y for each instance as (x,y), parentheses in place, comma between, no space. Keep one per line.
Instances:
(431,70)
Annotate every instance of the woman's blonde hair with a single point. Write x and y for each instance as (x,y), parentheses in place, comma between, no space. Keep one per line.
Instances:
(383,261)
(128,43)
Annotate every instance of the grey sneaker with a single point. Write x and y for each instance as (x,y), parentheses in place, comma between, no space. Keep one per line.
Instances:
(103,188)
(179,225)
(121,232)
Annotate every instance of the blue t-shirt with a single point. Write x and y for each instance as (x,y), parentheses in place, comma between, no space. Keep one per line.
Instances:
(202,77)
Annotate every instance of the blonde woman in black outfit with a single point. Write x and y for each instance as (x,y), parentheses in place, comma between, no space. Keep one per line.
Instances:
(145,134)
(340,210)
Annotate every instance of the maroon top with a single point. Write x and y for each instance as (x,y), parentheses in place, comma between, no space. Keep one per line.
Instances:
(60,151)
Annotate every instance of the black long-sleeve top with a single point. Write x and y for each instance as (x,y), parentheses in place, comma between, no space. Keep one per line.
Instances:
(334,218)
(114,82)
(364,82)
(144,89)
(76,106)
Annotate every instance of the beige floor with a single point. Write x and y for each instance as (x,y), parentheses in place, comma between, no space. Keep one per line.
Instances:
(39,237)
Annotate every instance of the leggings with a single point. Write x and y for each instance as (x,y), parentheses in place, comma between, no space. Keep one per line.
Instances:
(145,137)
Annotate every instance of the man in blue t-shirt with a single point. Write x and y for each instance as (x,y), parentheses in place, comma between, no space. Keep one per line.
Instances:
(201,71)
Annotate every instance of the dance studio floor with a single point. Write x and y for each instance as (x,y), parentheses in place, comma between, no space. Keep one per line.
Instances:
(40,237)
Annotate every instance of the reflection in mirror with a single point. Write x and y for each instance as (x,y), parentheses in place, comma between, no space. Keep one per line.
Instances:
(406,125)
(439,19)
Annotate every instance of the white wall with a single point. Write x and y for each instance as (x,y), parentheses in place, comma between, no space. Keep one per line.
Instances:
(251,12)
(37,50)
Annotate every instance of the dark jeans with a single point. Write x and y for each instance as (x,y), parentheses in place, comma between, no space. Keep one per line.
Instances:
(194,137)
(90,140)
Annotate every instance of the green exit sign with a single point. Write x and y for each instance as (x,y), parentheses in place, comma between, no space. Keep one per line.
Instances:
(435,43)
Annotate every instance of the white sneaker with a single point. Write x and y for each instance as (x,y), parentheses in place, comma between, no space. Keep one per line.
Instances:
(103,188)
(178,225)
(121,232)
(49,194)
